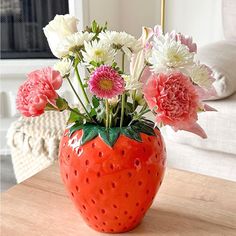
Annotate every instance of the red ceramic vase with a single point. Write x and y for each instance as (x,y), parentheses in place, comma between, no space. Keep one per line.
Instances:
(112,187)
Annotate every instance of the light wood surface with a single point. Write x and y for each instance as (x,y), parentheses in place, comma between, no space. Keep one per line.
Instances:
(187,204)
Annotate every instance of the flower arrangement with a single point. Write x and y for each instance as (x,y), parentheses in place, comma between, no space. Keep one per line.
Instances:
(162,79)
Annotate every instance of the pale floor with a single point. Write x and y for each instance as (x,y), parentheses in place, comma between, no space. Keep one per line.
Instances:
(7,174)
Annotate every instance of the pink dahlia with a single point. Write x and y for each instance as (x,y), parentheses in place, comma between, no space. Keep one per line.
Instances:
(175,100)
(105,82)
(37,91)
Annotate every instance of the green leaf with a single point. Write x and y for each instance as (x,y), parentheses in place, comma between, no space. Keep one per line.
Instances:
(95,102)
(61,104)
(50,107)
(109,136)
(89,132)
(74,116)
(92,112)
(94,26)
(114,64)
(75,127)
(131,133)
(93,63)
(105,26)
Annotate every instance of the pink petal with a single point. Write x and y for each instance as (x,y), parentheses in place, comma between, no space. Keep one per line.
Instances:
(157,30)
(53,77)
(146,75)
(146,35)
(206,94)
(206,107)
(196,129)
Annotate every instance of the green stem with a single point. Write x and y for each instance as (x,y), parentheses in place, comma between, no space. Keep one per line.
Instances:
(79,55)
(110,120)
(144,107)
(139,116)
(123,62)
(76,94)
(122,110)
(81,84)
(123,97)
(107,114)
(143,112)
(133,96)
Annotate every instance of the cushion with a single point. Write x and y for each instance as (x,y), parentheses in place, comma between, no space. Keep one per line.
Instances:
(34,142)
(185,157)
(229,19)
(219,126)
(221,58)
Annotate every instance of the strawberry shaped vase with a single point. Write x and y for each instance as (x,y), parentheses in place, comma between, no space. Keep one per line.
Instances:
(112,186)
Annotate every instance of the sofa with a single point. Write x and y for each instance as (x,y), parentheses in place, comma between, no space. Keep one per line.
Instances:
(215,156)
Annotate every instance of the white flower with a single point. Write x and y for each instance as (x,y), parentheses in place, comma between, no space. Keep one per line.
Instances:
(63,66)
(201,75)
(132,83)
(168,54)
(113,101)
(139,98)
(98,52)
(58,29)
(74,42)
(121,40)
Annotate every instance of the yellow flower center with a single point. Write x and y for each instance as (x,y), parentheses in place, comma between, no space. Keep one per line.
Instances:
(106,84)
(176,57)
(98,52)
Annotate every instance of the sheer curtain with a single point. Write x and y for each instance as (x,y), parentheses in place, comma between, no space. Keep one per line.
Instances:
(21,26)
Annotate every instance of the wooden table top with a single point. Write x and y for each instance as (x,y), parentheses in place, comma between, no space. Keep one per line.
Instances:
(187,204)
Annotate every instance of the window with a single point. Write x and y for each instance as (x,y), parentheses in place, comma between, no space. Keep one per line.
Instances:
(21,27)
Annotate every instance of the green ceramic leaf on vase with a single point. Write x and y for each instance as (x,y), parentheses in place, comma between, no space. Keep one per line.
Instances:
(131,133)
(89,132)
(109,136)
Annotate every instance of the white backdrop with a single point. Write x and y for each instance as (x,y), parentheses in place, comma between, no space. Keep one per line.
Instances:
(199,18)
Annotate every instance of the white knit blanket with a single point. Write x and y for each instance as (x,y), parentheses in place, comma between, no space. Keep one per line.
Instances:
(34,142)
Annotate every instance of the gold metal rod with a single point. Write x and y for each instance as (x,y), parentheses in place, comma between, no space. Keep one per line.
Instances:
(163,3)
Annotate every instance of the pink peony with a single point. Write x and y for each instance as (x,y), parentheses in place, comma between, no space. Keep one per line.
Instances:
(175,100)
(105,82)
(37,91)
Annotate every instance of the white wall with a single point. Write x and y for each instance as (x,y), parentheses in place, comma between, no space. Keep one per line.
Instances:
(199,18)
(124,15)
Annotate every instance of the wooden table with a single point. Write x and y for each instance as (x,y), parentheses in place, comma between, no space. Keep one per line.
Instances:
(187,204)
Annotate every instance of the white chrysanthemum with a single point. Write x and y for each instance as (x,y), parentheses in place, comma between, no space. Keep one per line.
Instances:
(74,42)
(201,75)
(168,54)
(132,83)
(128,43)
(98,52)
(63,66)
